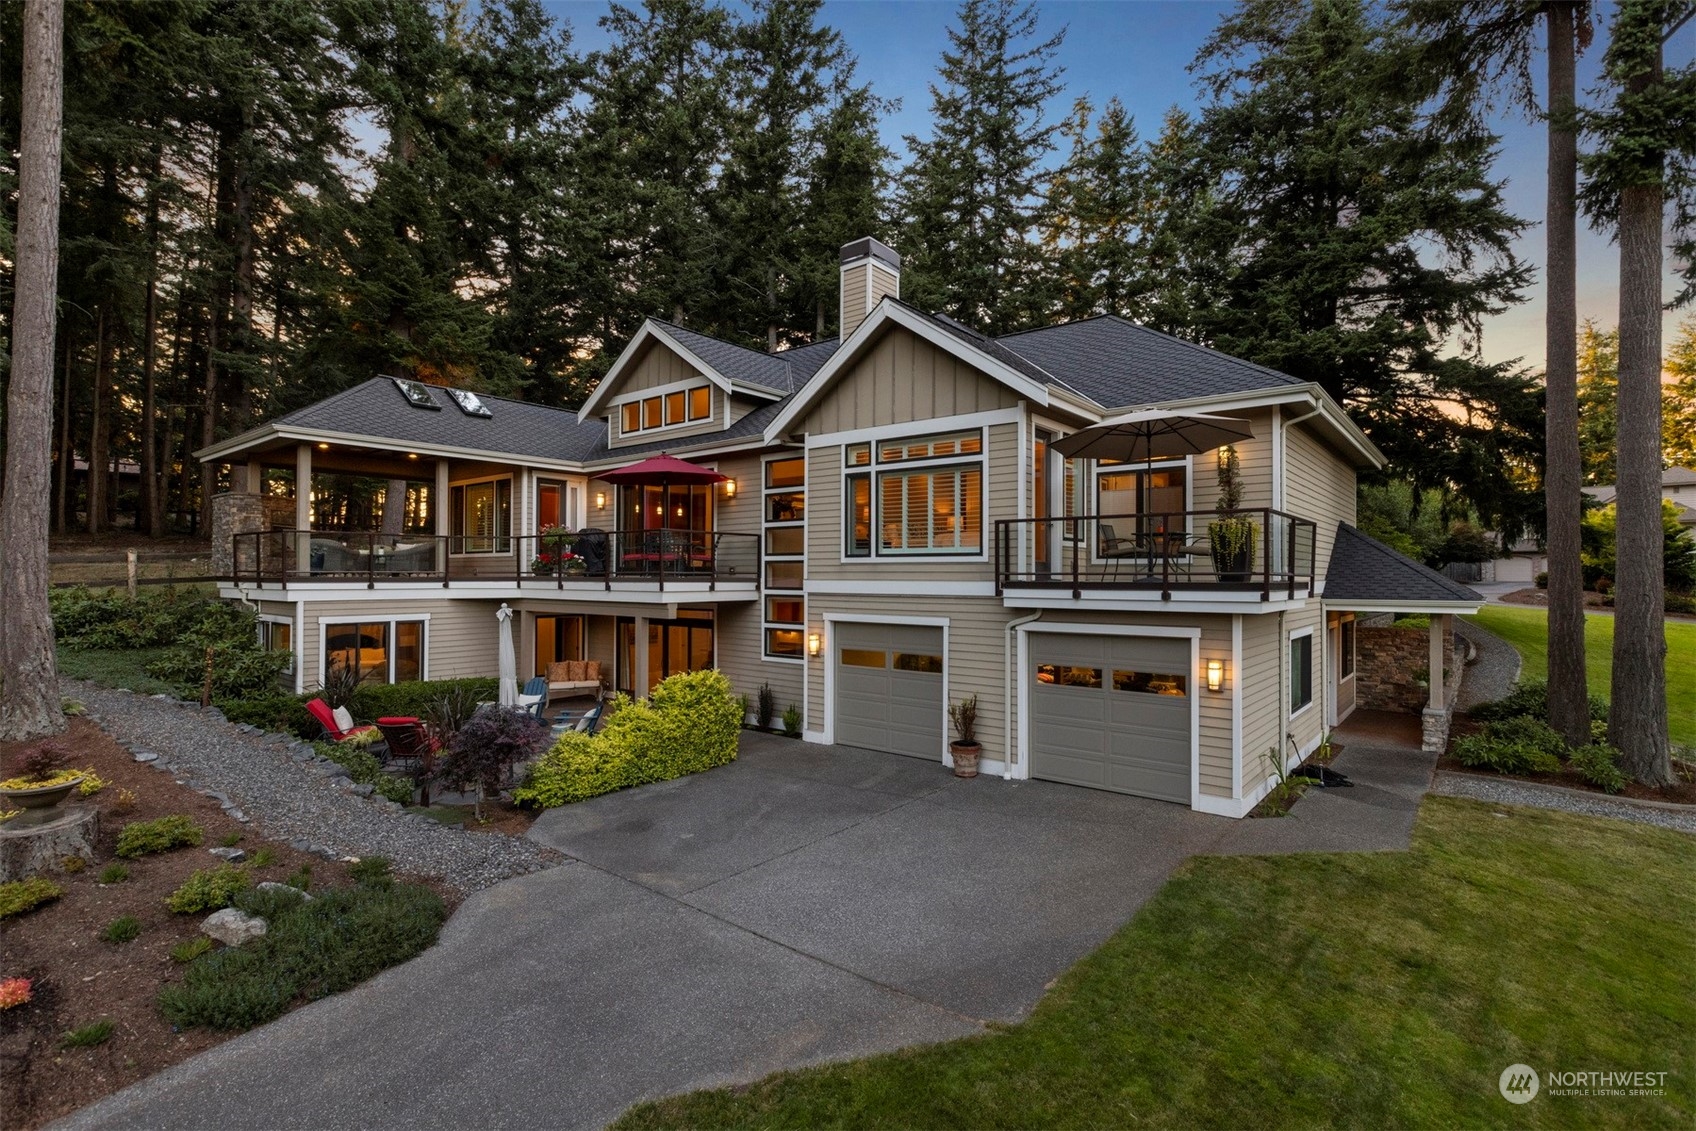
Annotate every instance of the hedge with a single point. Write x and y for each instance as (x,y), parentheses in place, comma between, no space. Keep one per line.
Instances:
(287,713)
(690,723)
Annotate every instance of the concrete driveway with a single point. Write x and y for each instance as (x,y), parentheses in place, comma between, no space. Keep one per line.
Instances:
(803,904)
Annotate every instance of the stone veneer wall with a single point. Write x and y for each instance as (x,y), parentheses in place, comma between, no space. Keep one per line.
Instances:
(1386,661)
(235,513)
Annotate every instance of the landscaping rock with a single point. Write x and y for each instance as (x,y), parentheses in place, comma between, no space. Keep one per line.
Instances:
(232,927)
(273,885)
(364,789)
(228,855)
(146,756)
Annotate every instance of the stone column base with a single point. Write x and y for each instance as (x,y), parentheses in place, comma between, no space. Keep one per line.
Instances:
(1435,729)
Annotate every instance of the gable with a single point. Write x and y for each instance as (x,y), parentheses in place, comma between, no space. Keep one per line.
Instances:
(656,366)
(899,379)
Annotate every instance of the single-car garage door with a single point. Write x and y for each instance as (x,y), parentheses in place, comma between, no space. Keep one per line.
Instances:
(889,688)
(1112,712)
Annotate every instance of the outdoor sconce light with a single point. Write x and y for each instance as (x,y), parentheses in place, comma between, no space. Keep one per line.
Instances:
(730,488)
(600,500)
(1215,675)
(815,644)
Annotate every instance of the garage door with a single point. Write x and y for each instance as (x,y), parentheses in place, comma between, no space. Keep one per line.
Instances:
(1112,712)
(889,688)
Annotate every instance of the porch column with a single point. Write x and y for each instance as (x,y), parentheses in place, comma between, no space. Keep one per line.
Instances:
(303,507)
(639,666)
(255,477)
(441,514)
(1437,662)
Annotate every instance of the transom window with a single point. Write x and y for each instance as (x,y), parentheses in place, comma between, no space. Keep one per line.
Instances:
(929,502)
(664,410)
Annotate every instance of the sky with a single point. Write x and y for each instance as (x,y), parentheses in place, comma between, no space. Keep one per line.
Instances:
(1139,50)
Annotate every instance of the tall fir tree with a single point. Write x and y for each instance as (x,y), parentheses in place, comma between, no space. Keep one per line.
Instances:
(847,188)
(1095,228)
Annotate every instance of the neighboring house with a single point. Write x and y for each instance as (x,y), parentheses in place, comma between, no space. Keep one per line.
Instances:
(895,534)
(1678,486)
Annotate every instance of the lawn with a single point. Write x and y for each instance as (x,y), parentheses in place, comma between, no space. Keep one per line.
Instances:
(114,667)
(1359,990)
(1528,631)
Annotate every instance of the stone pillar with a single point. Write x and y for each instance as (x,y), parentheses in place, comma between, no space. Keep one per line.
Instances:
(1435,721)
(236,513)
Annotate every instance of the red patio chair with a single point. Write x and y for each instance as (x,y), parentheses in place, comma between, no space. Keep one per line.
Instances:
(333,730)
(409,739)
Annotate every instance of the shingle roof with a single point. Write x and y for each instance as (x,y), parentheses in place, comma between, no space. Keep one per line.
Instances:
(1119,364)
(738,363)
(979,341)
(1364,569)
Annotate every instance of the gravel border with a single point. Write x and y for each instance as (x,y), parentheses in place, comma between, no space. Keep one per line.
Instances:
(1571,801)
(285,788)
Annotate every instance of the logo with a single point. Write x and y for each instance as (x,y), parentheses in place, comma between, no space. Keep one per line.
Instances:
(1518,1084)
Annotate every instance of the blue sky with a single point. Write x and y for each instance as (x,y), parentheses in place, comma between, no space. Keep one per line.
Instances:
(1139,50)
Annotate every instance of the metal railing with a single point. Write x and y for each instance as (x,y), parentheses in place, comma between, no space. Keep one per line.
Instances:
(586,557)
(1180,550)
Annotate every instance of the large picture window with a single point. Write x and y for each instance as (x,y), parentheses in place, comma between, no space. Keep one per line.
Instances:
(930,502)
(482,517)
(383,651)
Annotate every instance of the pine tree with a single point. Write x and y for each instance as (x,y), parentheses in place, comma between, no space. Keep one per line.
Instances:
(971,192)
(1598,391)
(1095,228)
(846,191)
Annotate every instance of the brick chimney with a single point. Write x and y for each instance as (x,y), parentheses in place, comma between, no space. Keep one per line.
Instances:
(870,271)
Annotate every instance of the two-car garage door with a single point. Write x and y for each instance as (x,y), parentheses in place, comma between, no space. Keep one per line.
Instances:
(889,688)
(1111,712)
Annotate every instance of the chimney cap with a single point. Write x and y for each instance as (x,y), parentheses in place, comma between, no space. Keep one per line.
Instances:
(870,248)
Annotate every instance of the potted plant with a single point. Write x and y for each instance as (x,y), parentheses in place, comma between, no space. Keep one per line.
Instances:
(966,748)
(553,552)
(1231,535)
(43,782)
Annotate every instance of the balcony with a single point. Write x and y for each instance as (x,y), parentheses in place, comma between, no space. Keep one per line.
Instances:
(1246,555)
(582,564)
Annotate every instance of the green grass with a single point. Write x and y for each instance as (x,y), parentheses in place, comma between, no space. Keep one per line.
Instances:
(1358,990)
(114,668)
(1528,631)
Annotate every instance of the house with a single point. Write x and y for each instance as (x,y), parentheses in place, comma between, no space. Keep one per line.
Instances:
(893,532)
(1678,486)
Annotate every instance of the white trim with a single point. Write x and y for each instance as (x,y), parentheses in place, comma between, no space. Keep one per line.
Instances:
(615,409)
(1277,458)
(1309,393)
(300,645)
(295,663)
(766,557)
(963,422)
(1147,601)
(1198,681)
(903,588)
(827,652)
(1236,678)
(1465,608)
(886,312)
(389,657)
(1291,637)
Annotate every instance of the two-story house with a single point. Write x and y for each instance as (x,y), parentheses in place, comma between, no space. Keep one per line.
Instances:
(893,531)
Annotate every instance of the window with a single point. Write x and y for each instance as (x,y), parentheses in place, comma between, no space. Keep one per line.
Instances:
(1123,491)
(1061,675)
(783,485)
(1345,661)
(864,658)
(918,662)
(666,410)
(1151,683)
(1301,672)
(924,509)
(278,636)
(384,651)
(482,517)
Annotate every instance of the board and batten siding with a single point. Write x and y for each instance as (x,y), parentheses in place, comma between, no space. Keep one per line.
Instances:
(903,379)
(659,366)
(459,642)
(1320,486)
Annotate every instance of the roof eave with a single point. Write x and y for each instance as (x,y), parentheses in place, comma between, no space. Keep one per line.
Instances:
(1386,605)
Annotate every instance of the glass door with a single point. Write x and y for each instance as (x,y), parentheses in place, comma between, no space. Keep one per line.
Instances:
(674,646)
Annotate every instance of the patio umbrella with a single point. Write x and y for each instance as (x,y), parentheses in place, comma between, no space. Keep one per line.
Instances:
(662,471)
(508,660)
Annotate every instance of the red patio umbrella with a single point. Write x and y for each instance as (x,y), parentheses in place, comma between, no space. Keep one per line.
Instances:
(661,469)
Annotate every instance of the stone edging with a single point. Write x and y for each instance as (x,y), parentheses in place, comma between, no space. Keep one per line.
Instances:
(1568,791)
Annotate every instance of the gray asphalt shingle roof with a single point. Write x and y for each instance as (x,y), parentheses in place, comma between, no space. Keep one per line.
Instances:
(1364,569)
(737,363)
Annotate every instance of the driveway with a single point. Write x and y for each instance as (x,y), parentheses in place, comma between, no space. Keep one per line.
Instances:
(803,904)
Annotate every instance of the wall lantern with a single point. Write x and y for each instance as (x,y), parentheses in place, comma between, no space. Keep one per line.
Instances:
(730,488)
(600,500)
(815,644)
(1215,675)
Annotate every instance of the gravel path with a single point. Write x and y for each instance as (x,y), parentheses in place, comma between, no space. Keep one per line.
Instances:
(1492,675)
(1525,793)
(290,793)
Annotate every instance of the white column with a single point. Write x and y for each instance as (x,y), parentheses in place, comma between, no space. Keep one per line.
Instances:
(1439,621)
(303,507)
(255,477)
(639,662)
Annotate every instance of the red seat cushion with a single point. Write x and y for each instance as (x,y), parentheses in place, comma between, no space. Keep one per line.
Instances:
(398,720)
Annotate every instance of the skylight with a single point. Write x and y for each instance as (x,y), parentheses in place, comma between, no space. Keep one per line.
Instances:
(417,393)
(469,403)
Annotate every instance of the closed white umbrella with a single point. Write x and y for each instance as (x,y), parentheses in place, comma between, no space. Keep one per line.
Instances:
(509,659)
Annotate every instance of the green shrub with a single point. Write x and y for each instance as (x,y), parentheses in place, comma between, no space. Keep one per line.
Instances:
(1531,697)
(190,949)
(126,928)
(208,889)
(397,789)
(285,714)
(241,666)
(416,698)
(1520,745)
(1598,764)
(89,1035)
(372,870)
(264,858)
(140,838)
(269,904)
(112,621)
(310,950)
(114,874)
(230,840)
(300,878)
(1414,620)
(690,723)
(26,895)
(1680,603)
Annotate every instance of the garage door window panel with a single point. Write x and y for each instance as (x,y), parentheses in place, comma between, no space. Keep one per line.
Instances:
(1063,675)
(865,658)
(918,662)
(1151,683)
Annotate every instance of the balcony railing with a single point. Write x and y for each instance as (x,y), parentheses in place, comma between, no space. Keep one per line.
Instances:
(588,557)
(1242,551)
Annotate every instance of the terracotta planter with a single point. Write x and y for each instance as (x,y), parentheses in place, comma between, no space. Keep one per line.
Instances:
(40,796)
(965,758)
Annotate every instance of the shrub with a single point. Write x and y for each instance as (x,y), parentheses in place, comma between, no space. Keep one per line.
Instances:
(71,865)
(689,724)
(15,992)
(417,698)
(26,895)
(89,1035)
(241,666)
(230,840)
(1598,764)
(139,838)
(124,929)
(792,721)
(1520,745)
(374,870)
(285,714)
(1680,603)
(114,874)
(269,904)
(41,761)
(1531,697)
(125,801)
(484,749)
(766,707)
(190,949)
(309,951)
(208,889)
(113,621)
(1420,621)
(300,878)
(1543,579)
(264,858)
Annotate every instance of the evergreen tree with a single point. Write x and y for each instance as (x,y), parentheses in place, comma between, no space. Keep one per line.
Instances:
(846,191)
(1095,232)
(1598,391)
(971,192)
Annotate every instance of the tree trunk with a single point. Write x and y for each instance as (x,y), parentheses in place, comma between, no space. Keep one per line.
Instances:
(1568,695)
(1637,722)
(29,677)
(152,507)
(99,427)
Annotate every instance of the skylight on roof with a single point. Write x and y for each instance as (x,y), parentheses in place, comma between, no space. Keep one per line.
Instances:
(469,403)
(417,393)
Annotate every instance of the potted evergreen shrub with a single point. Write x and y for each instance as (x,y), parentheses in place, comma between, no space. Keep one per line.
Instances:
(1231,535)
(44,782)
(966,748)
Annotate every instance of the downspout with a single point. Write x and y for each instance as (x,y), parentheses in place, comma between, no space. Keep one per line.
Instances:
(1012,684)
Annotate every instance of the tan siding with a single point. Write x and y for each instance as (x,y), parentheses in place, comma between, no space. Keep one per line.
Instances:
(1262,697)
(903,379)
(1310,723)
(741,657)
(1254,458)
(460,641)
(658,365)
(884,285)
(854,309)
(1318,486)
